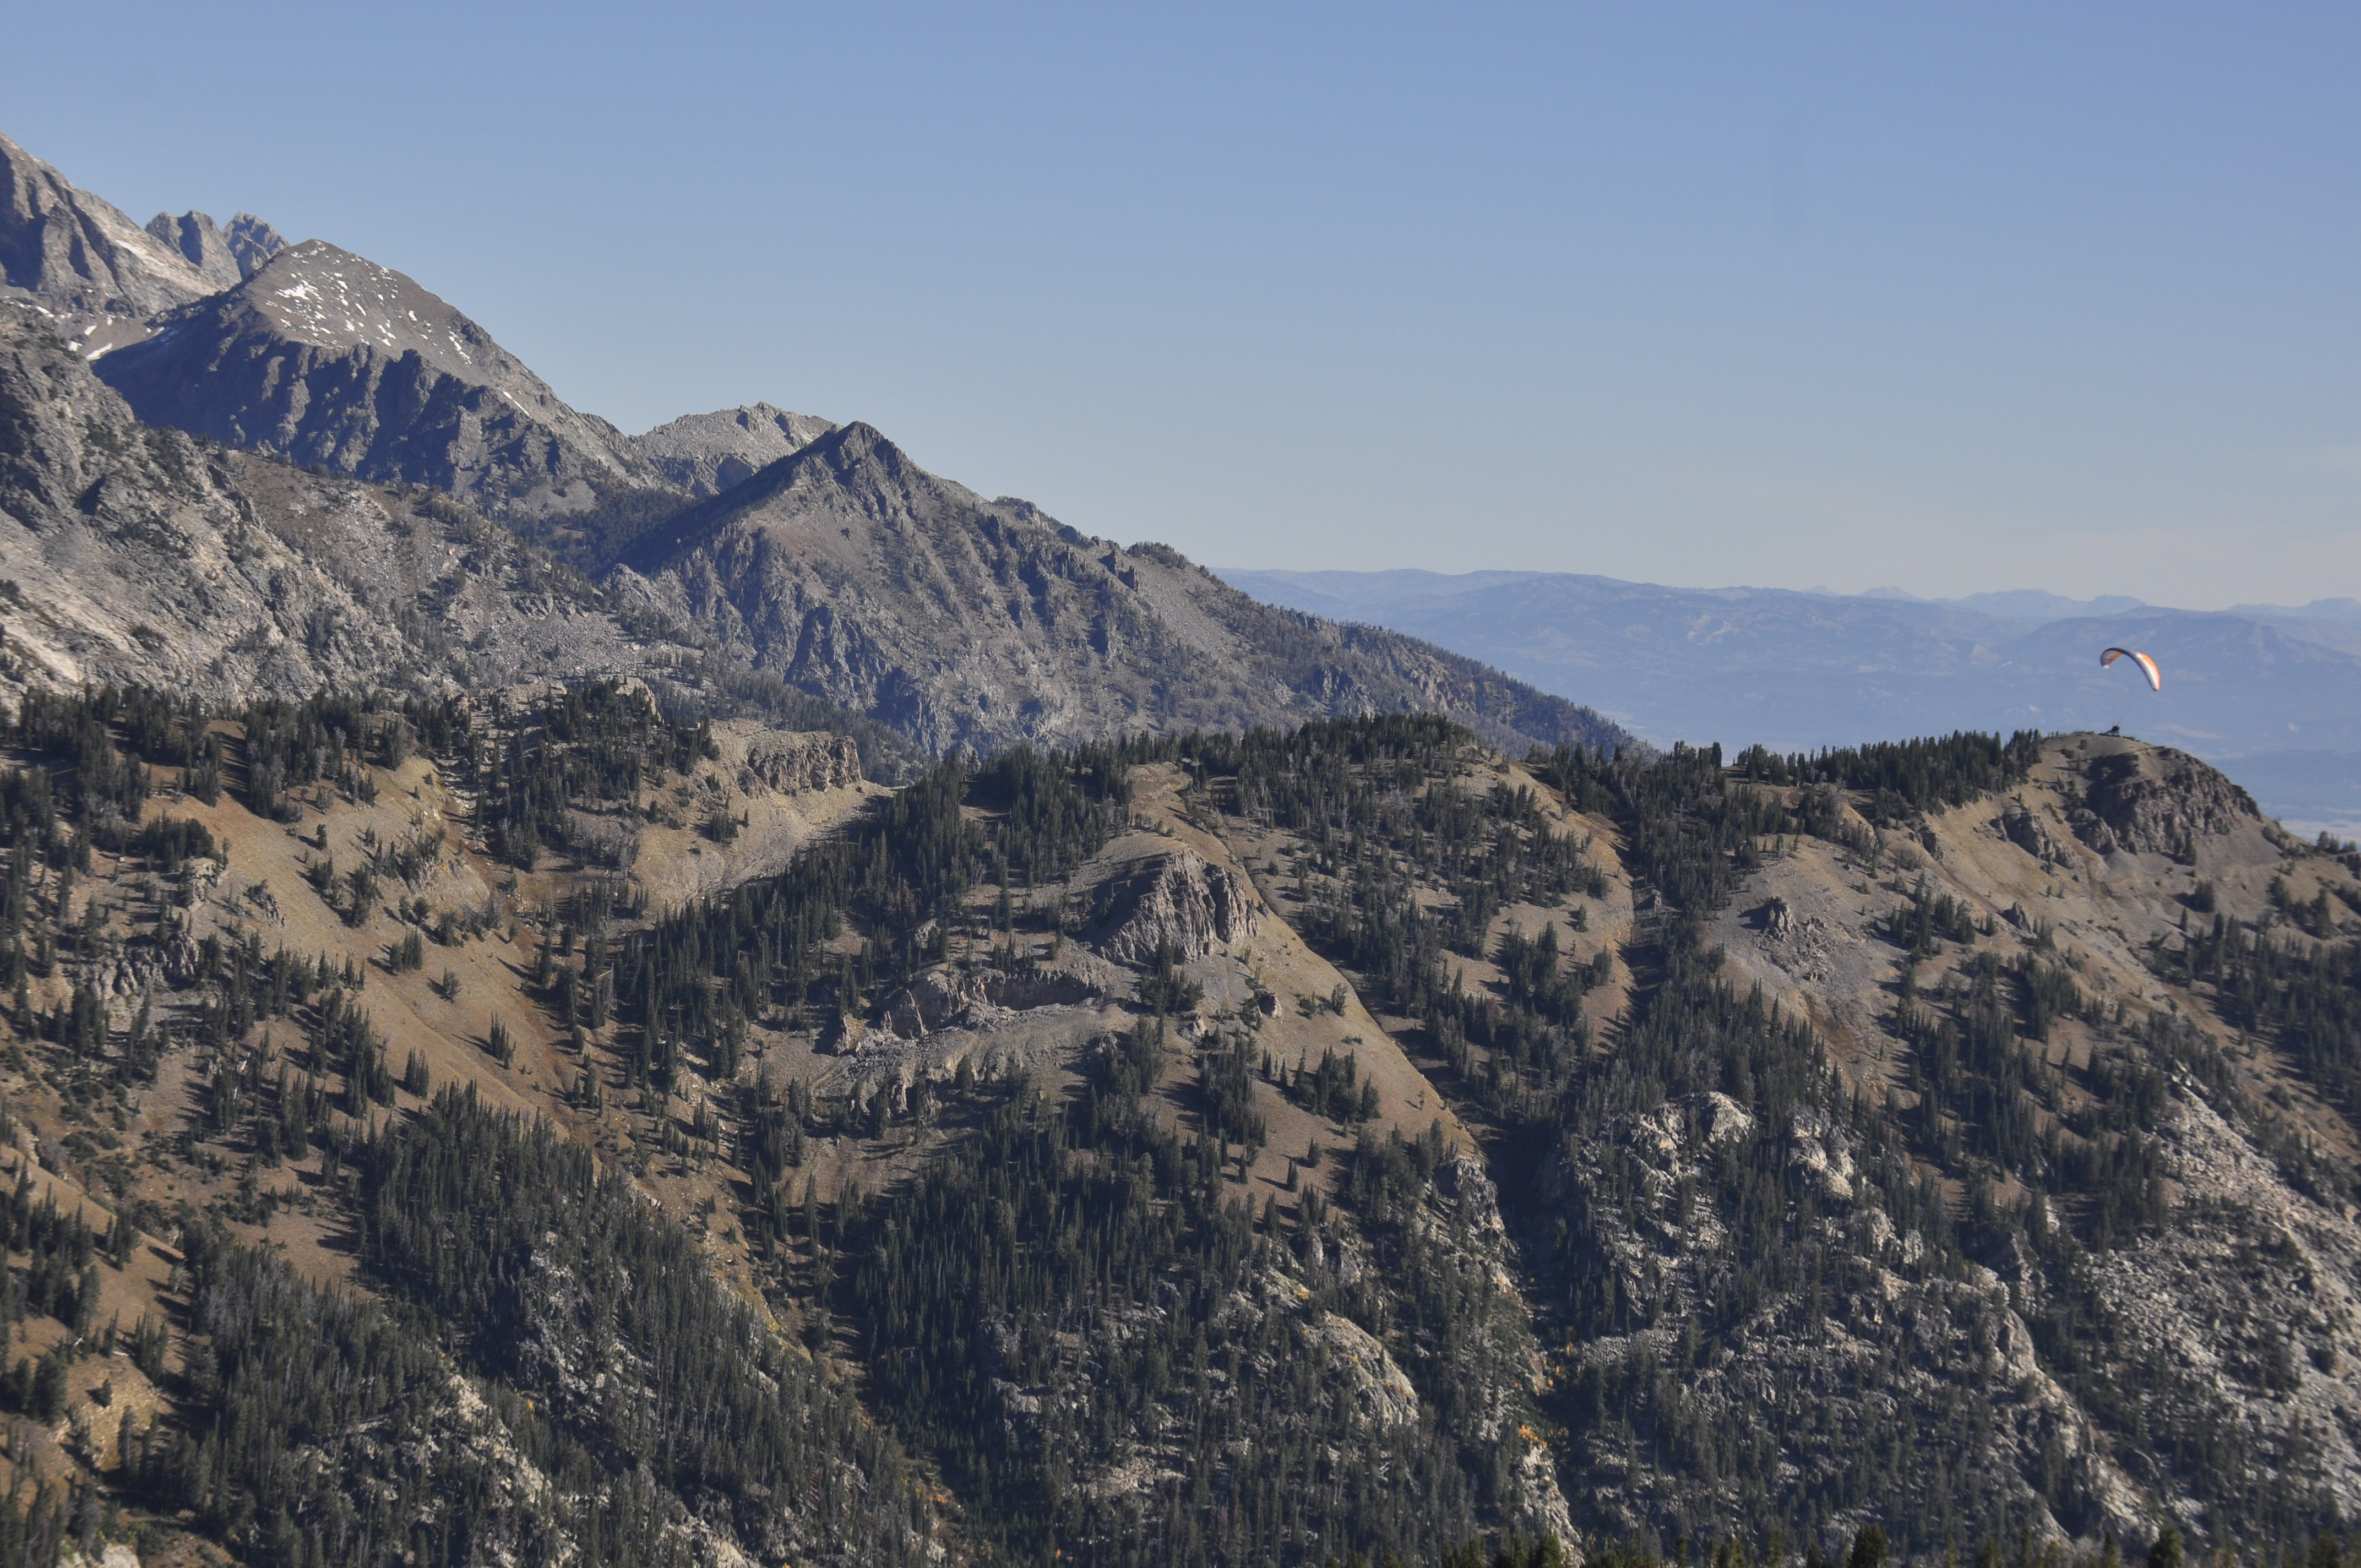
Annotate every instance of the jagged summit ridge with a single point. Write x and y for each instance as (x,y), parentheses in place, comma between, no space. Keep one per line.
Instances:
(223,258)
(98,275)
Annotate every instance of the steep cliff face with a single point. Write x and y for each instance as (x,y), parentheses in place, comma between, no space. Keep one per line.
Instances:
(330,361)
(860,577)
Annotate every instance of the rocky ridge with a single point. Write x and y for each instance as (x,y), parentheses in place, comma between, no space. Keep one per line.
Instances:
(139,555)
(860,578)
(331,361)
(819,554)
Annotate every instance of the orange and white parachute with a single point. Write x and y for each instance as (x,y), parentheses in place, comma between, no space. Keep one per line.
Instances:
(2147,665)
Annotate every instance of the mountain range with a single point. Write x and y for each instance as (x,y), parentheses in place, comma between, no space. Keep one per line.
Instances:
(715,996)
(1025,629)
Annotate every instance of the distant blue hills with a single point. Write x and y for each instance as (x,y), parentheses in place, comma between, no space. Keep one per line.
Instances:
(2269,693)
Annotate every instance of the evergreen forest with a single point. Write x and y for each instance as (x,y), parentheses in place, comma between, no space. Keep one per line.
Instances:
(1655,1277)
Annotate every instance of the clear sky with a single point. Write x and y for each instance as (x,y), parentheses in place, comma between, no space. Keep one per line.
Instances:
(1948,298)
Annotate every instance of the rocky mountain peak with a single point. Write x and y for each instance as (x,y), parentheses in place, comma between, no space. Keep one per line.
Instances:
(225,258)
(328,359)
(85,263)
(858,577)
(707,454)
(318,294)
(853,470)
(859,457)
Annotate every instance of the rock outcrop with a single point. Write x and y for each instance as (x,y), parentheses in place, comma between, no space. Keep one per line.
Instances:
(2021,828)
(800,764)
(2157,802)
(1382,1392)
(1182,899)
(950,998)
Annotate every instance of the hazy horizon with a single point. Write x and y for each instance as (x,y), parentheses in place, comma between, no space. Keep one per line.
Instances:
(1882,590)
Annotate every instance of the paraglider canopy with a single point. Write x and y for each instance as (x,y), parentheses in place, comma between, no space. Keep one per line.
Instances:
(2155,675)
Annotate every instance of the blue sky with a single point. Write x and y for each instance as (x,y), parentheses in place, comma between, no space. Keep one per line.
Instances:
(1953,298)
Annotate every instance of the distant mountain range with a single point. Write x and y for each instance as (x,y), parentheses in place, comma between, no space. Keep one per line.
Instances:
(1800,670)
(2040,605)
